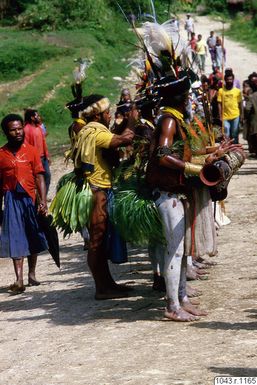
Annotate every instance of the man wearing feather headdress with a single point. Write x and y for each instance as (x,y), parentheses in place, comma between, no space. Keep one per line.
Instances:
(169,164)
(90,155)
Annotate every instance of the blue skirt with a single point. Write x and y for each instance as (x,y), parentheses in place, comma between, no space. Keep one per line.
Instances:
(20,235)
(116,247)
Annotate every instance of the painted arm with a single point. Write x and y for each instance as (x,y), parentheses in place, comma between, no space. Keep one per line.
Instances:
(168,132)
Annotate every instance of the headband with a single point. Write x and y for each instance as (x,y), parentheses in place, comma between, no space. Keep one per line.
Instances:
(96,108)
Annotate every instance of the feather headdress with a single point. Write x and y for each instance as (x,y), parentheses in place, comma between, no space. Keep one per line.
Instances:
(168,70)
(79,75)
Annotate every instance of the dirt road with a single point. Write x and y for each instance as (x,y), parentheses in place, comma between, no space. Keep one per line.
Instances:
(56,334)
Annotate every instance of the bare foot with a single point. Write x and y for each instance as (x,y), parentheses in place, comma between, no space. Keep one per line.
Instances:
(33,282)
(122,287)
(194,301)
(191,292)
(207,263)
(180,315)
(191,274)
(190,308)
(200,265)
(17,288)
(201,271)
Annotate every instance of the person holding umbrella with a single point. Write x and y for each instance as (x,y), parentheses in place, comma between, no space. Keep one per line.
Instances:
(21,175)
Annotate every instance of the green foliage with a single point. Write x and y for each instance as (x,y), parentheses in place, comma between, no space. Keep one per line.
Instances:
(49,87)
(23,58)
(137,218)
(215,6)
(48,15)
(72,205)
(243,29)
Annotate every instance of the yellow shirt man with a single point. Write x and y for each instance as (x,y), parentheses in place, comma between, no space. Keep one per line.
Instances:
(232,99)
(102,174)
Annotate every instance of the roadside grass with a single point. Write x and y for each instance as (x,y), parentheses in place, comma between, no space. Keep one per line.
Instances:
(49,90)
(243,30)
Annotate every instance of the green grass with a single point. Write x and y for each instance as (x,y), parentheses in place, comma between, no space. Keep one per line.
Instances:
(49,90)
(24,57)
(244,30)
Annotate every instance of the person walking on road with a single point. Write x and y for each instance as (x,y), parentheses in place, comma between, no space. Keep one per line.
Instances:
(201,52)
(189,26)
(230,107)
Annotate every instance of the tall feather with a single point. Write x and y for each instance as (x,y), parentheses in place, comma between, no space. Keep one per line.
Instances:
(79,75)
(153,10)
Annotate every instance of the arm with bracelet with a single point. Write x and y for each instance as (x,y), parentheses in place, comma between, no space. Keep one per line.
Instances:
(167,158)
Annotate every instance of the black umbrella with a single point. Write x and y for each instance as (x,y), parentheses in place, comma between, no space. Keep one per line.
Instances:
(45,224)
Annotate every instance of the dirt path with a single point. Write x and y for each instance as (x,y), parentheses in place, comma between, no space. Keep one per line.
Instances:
(56,334)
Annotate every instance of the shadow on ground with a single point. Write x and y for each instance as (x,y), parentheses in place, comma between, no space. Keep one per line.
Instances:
(76,305)
(235,372)
(218,325)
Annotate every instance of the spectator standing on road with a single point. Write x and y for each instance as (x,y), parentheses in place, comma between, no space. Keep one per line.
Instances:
(201,51)
(21,173)
(192,44)
(35,136)
(230,107)
(220,53)
(251,113)
(189,26)
(211,43)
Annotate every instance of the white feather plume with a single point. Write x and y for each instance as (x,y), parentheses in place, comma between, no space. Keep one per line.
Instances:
(160,37)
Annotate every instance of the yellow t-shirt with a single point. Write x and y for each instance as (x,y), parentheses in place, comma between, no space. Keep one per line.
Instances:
(102,175)
(200,47)
(232,98)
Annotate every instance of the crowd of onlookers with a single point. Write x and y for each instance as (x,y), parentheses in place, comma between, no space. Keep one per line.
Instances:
(232,104)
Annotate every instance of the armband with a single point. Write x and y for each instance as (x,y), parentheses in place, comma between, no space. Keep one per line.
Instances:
(192,169)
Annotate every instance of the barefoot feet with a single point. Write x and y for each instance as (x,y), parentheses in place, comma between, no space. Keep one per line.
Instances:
(17,287)
(180,315)
(191,292)
(192,309)
(32,281)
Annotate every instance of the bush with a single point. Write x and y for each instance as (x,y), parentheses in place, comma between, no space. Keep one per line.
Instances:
(55,14)
(23,58)
(215,5)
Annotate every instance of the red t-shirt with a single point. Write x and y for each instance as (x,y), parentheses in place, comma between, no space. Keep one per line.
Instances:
(34,135)
(21,167)
(192,43)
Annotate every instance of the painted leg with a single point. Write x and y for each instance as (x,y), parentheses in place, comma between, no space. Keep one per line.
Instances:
(172,212)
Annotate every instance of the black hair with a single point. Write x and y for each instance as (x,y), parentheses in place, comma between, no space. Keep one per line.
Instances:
(174,100)
(29,113)
(173,92)
(10,118)
(251,83)
(204,79)
(252,75)
(229,74)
